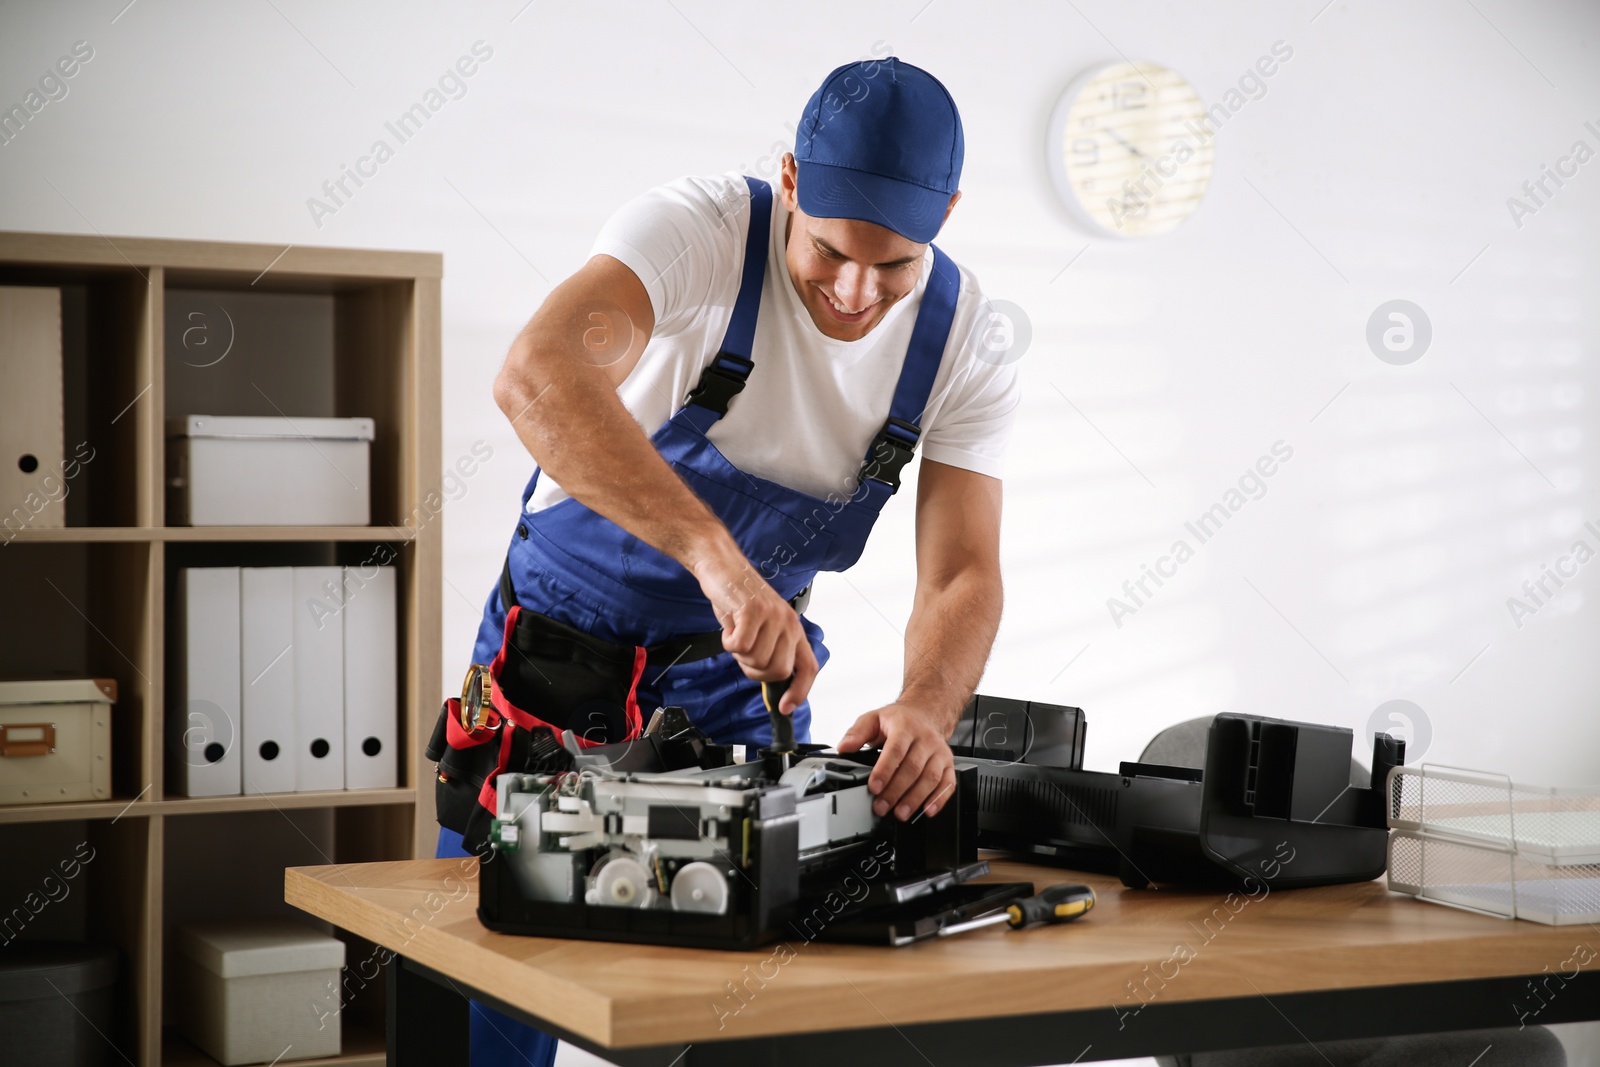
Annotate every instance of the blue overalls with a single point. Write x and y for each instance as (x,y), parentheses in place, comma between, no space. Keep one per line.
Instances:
(569,563)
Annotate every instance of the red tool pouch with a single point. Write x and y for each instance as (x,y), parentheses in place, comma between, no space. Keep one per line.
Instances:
(547,678)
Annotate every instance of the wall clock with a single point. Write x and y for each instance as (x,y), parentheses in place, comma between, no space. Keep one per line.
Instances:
(1130,149)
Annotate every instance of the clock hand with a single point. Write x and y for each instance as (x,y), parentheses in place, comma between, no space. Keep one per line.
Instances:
(1125,144)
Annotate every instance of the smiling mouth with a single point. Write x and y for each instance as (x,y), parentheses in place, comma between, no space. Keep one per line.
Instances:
(838,311)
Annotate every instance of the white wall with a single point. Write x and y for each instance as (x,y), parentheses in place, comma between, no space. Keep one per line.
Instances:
(1376,166)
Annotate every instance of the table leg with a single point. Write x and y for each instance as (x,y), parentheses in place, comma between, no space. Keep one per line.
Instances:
(428,1023)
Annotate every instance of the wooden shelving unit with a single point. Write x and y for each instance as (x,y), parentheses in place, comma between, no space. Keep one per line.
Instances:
(320,331)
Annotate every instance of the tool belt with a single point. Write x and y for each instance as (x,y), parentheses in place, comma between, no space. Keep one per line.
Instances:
(547,678)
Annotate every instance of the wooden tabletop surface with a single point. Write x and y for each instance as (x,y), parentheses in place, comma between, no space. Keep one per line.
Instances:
(1135,946)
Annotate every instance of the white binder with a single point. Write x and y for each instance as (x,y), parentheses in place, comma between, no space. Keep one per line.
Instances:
(266,665)
(204,742)
(318,679)
(371,688)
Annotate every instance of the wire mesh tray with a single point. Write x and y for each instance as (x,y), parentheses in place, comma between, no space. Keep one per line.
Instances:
(1479,841)
(1559,826)
(1496,881)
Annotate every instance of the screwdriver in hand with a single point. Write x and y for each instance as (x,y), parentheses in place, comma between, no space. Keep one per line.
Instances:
(1058,904)
(782,725)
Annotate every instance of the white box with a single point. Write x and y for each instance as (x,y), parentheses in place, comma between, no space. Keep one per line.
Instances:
(318,679)
(34,475)
(55,740)
(203,731)
(259,991)
(266,670)
(249,470)
(371,688)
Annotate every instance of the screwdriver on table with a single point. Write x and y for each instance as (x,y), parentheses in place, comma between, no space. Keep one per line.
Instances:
(1058,904)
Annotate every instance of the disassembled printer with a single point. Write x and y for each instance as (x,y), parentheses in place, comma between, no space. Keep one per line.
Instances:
(666,840)
(1273,802)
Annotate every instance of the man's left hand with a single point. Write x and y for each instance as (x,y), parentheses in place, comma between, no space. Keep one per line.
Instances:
(915,766)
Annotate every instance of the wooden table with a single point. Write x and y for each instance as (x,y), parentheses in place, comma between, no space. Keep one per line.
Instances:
(1147,972)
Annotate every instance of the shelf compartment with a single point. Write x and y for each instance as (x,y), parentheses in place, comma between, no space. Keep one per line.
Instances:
(328,348)
(91,611)
(110,391)
(87,881)
(401,555)
(245,854)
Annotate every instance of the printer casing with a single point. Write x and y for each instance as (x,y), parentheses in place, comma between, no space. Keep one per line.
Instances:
(1273,804)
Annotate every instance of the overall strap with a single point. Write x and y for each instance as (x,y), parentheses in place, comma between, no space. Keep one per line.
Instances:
(722,380)
(895,444)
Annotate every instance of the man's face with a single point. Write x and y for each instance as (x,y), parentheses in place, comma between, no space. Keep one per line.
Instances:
(848,273)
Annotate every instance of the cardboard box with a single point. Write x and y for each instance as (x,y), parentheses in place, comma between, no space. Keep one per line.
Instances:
(248,470)
(55,740)
(259,990)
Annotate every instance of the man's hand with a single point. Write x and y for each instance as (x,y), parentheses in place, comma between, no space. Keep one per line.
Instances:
(759,627)
(915,765)
(953,622)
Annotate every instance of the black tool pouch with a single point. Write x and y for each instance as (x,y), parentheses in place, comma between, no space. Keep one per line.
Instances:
(547,678)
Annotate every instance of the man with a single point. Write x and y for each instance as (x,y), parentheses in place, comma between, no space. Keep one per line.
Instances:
(720,402)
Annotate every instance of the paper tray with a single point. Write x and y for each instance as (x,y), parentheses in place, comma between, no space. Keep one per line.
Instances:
(1493,880)
(1554,825)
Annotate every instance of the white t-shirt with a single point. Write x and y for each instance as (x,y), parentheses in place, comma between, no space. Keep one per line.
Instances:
(812,405)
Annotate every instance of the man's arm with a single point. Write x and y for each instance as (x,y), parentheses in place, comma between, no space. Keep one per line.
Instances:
(953,621)
(558,388)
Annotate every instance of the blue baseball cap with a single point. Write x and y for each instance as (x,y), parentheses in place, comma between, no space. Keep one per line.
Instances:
(880,141)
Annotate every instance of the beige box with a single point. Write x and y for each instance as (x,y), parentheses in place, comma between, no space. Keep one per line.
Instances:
(55,740)
(258,990)
(32,444)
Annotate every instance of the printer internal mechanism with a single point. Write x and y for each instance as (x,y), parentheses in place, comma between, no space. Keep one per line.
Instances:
(666,840)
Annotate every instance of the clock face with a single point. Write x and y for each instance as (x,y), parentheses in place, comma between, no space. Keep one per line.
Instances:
(1130,149)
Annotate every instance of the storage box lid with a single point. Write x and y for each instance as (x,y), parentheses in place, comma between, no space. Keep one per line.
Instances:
(268,427)
(242,948)
(34,971)
(59,691)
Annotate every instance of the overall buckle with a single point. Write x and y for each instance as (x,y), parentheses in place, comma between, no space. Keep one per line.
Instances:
(720,382)
(892,449)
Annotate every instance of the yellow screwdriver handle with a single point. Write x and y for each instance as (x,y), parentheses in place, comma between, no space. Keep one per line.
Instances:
(1057,904)
(782,725)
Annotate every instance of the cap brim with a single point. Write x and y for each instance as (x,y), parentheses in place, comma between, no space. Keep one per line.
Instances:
(828,192)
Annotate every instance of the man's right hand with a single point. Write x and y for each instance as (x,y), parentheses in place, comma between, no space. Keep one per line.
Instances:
(759,627)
